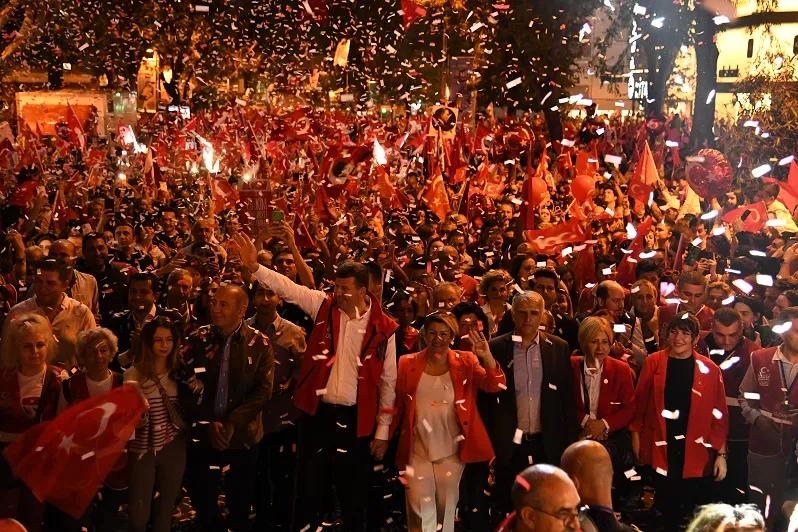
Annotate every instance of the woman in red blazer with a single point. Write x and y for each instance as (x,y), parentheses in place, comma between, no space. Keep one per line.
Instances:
(441,429)
(681,421)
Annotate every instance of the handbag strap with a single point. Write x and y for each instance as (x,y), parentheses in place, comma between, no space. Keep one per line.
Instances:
(174,417)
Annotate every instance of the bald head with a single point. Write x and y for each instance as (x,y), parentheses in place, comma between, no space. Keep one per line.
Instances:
(540,492)
(228,307)
(610,295)
(64,250)
(589,465)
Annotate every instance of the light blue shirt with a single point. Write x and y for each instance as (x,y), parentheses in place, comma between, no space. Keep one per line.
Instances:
(528,373)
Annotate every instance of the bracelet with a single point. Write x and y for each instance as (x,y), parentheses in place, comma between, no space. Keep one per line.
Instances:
(724,455)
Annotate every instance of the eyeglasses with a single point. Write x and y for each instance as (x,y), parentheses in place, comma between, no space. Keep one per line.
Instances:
(566,516)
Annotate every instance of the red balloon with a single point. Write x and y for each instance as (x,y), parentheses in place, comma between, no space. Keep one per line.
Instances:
(540,191)
(709,173)
(582,187)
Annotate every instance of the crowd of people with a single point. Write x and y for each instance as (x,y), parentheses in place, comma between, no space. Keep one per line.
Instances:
(402,330)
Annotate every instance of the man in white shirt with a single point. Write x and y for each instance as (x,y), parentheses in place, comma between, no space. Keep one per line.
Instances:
(67,316)
(345,388)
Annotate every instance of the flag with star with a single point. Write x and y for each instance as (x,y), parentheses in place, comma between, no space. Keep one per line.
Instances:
(65,461)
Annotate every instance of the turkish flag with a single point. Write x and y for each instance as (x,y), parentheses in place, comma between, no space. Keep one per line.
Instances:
(435,196)
(585,267)
(298,124)
(483,139)
(646,169)
(76,135)
(553,239)
(95,157)
(789,190)
(639,190)
(224,195)
(65,461)
(411,11)
(626,269)
(755,221)
(587,162)
(395,199)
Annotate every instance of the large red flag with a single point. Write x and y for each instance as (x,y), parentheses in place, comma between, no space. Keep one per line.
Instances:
(555,238)
(754,222)
(65,461)
(224,195)
(411,11)
(789,190)
(646,169)
(626,269)
(435,196)
(76,135)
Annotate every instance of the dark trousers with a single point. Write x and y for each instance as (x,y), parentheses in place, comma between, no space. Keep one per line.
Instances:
(274,502)
(678,498)
(239,485)
(473,497)
(17,501)
(331,454)
(529,452)
(101,515)
(734,488)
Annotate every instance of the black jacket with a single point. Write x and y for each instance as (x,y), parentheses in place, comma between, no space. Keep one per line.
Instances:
(557,407)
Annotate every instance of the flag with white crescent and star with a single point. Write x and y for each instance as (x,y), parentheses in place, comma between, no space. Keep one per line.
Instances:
(66,460)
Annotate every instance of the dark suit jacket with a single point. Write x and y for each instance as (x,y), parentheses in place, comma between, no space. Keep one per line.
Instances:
(557,405)
(249,387)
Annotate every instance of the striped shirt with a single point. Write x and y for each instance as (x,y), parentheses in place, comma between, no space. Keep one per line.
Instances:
(154,430)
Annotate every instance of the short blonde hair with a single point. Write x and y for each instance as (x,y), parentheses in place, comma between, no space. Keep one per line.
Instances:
(588,330)
(24,325)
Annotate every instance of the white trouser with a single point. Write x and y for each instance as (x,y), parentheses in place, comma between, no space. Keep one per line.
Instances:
(432,493)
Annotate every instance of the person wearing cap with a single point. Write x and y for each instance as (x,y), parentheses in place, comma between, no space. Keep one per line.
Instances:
(769,399)
(441,429)
(536,415)
(681,421)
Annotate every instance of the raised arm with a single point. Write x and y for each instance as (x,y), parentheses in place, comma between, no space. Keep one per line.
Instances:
(308,300)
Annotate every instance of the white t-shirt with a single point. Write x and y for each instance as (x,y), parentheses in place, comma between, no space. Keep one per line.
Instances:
(30,390)
(95,388)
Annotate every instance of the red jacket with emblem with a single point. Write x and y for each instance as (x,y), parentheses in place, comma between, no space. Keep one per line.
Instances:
(468,376)
(317,361)
(703,427)
(616,396)
(770,388)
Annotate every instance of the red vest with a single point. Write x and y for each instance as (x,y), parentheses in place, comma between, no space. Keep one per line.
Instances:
(13,420)
(316,365)
(79,389)
(771,403)
(732,378)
